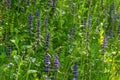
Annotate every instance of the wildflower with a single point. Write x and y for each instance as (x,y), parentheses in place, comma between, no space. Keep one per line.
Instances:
(111,33)
(38,13)
(84,22)
(113,6)
(37,35)
(30,18)
(75,71)
(46,24)
(38,23)
(9,4)
(38,32)
(47,62)
(56,62)
(10,65)
(9,50)
(72,32)
(47,42)
(104,45)
(105,42)
(74,78)
(89,20)
(38,27)
(53,4)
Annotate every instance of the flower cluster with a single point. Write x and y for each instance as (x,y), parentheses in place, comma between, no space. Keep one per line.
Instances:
(113,6)
(89,20)
(46,25)
(105,42)
(9,50)
(110,33)
(47,62)
(30,18)
(104,45)
(38,13)
(53,4)
(47,42)
(38,26)
(75,71)
(56,62)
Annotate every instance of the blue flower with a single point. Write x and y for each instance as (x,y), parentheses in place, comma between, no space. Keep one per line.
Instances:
(56,62)
(105,42)
(47,62)
(47,41)
(75,71)
(30,17)
(74,78)
(113,6)
(9,50)
(38,23)
(38,13)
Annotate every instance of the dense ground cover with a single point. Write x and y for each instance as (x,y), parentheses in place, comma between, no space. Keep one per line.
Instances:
(59,40)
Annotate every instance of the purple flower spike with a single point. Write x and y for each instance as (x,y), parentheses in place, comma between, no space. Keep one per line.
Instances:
(38,23)
(71,34)
(47,62)
(74,79)
(89,20)
(9,50)
(111,33)
(38,13)
(56,62)
(30,17)
(38,29)
(75,71)
(46,24)
(75,67)
(113,6)
(104,46)
(105,43)
(47,41)
(53,3)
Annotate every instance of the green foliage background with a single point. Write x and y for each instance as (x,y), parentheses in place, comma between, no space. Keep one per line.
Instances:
(85,18)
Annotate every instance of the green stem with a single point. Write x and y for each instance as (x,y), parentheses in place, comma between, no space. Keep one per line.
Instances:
(27,72)
(19,67)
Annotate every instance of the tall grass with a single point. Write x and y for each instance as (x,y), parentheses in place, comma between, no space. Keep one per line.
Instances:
(59,40)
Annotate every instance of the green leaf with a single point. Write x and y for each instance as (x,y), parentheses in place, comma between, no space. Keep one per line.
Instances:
(32,71)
